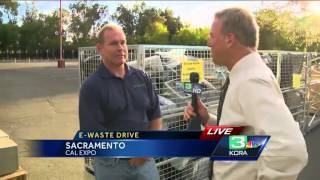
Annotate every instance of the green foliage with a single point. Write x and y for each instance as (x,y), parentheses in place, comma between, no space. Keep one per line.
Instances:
(283,30)
(145,25)
(157,33)
(38,31)
(192,36)
(128,19)
(310,26)
(9,36)
(10,8)
(31,31)
(85,21)
(173,24)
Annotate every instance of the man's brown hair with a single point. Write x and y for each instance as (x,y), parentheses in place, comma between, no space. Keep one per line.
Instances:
(242,23)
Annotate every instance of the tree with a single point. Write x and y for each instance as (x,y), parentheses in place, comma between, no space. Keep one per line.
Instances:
(85,21)
(308,33)
(10,8)
(191,36)
(128,19)
(38,32)
(276,29)
(140,22)
(9,36)
(31,30)
(50,39)
(146,20)
(173,24)
(282,30)
(157,33)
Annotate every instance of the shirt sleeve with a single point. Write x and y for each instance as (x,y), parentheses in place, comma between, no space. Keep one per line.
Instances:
(90,113)
(154,111)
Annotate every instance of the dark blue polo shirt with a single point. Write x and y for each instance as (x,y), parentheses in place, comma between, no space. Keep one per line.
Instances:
(111,103)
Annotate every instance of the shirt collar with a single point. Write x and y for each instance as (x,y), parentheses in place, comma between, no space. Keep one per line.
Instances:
(105,73)
(244,63)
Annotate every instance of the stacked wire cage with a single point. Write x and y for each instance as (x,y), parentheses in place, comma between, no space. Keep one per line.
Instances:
(163,65)
(290,70)
(313,95)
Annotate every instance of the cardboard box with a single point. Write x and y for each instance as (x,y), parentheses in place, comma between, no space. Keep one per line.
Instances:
(315,74)
(9,156)
(3,134)
(20,174)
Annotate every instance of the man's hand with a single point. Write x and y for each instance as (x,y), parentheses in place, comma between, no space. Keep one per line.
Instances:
(138,161)
(202,110)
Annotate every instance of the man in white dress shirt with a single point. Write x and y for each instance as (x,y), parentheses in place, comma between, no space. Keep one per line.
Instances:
(252,99)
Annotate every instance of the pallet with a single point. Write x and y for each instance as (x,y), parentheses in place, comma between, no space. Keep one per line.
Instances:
(20,174)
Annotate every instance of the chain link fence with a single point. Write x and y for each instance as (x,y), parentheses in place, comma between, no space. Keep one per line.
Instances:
(298,75)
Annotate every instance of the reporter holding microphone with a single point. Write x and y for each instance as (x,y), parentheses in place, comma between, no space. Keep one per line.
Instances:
(251,97)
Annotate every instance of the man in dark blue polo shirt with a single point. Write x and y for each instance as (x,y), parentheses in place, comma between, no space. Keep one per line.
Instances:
(119,97)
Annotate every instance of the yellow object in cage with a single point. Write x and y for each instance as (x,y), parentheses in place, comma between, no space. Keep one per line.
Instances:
(296,83)
(191,66)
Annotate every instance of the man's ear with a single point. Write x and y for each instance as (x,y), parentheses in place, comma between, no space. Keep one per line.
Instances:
(229,39)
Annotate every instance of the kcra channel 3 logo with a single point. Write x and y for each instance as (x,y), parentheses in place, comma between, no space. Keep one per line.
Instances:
(239,144)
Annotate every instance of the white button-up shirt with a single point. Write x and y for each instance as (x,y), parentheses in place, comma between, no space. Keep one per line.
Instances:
(254,99)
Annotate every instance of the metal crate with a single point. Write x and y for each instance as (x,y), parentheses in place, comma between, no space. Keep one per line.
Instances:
(313,94)
(181,168)
(288,68)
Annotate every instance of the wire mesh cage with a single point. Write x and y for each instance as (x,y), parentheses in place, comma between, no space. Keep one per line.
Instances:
(290,69)
(181,168)
(163,64)
(313,94)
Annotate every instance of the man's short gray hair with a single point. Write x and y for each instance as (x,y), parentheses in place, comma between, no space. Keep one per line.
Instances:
(242,23)
(100,38)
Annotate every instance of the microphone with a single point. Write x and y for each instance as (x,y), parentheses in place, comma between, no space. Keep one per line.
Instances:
(195,123)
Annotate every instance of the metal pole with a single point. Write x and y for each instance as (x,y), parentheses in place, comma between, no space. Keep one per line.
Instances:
(61,63)
(306,107)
